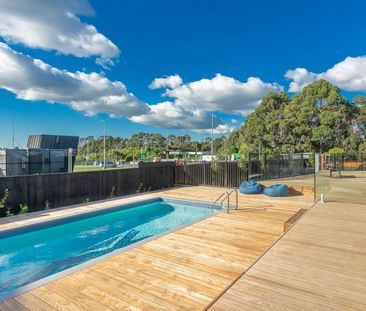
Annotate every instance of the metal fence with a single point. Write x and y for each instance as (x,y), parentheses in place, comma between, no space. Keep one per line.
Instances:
(232,173)
(345,162)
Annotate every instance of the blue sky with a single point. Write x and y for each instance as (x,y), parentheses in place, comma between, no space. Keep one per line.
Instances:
(191,40)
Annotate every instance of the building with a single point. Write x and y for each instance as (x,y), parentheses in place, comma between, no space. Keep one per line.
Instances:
(45,154)
(13,162)
(52,142)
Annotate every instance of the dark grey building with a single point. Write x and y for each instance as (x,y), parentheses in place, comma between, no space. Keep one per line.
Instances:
(52,142)
(13,162)
(45,154)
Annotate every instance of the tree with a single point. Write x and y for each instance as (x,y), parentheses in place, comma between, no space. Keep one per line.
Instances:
(264,125)
(317,118)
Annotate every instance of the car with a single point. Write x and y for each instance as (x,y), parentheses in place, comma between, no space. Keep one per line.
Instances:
(108,164)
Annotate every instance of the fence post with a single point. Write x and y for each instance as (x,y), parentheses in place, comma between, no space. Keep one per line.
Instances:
(69,160)
(249,165)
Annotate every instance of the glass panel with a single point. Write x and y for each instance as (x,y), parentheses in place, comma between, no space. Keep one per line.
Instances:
(342,178)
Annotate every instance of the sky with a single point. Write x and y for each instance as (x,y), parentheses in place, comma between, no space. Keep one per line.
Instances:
(166,66)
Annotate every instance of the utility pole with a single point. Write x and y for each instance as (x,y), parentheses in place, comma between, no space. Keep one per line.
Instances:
(212,122)
(104,144)
(13,138)
(87,152)
(225,148)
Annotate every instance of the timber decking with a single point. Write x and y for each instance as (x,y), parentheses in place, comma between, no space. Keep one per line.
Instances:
(320,264)
(183,270)
(293,219)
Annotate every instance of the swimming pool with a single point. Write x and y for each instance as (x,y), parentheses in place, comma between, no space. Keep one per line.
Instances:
(39,251)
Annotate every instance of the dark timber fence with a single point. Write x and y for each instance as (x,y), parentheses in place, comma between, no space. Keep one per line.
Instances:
(55,190)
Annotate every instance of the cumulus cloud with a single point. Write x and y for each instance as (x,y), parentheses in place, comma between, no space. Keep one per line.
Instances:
(349,75)
(193,102)
(54,25)
(91,93)
(169,115)
(221,93)
(169,82)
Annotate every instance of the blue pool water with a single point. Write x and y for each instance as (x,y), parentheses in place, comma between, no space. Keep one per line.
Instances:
(37,252)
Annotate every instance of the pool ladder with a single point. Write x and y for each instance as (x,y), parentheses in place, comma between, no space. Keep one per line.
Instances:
(226,196)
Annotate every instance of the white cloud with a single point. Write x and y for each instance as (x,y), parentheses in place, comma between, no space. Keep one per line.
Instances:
(300,78)
(349,75)
(193,102)
(170,82)
(54,25)
(169,115)
(91,93)
(221,93)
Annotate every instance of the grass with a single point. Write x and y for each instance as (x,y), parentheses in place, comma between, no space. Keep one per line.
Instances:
(92,168)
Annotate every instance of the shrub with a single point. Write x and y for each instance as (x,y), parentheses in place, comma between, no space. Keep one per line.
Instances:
(4,210)
(23,209)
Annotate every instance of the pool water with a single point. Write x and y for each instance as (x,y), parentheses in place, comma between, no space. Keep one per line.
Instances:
(37,252)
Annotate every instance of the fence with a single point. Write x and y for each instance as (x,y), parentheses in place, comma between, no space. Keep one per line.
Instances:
(231,174)
(55,190)
(345,162)
(341,178)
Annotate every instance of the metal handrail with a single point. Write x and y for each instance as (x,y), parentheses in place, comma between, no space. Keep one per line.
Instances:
(226,196)
(222,194)
(236,199)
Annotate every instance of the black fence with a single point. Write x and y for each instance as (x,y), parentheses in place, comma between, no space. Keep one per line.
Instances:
(232,174)
(44,191)
(40,192)
(346,162)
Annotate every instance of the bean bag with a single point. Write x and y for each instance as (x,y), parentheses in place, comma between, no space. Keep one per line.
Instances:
(250,187)
(277,190)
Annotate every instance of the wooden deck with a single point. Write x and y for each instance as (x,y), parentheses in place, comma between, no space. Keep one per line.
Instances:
(320,264)
(183,270)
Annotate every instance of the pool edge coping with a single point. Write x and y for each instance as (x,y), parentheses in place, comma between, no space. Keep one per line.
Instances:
(64,273)
(7,223)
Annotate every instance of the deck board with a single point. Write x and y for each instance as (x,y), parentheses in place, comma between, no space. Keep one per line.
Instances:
(183,270)
(320,264)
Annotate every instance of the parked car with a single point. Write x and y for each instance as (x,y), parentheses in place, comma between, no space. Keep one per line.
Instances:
(108,164)
(157,159)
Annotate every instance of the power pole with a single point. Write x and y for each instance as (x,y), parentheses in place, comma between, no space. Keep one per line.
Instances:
(87,152)
(104,145)
(13,138)
(212,122)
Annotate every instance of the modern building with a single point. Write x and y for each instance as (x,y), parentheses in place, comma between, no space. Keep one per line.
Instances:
(52,142)
(45,154)
(13,162)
